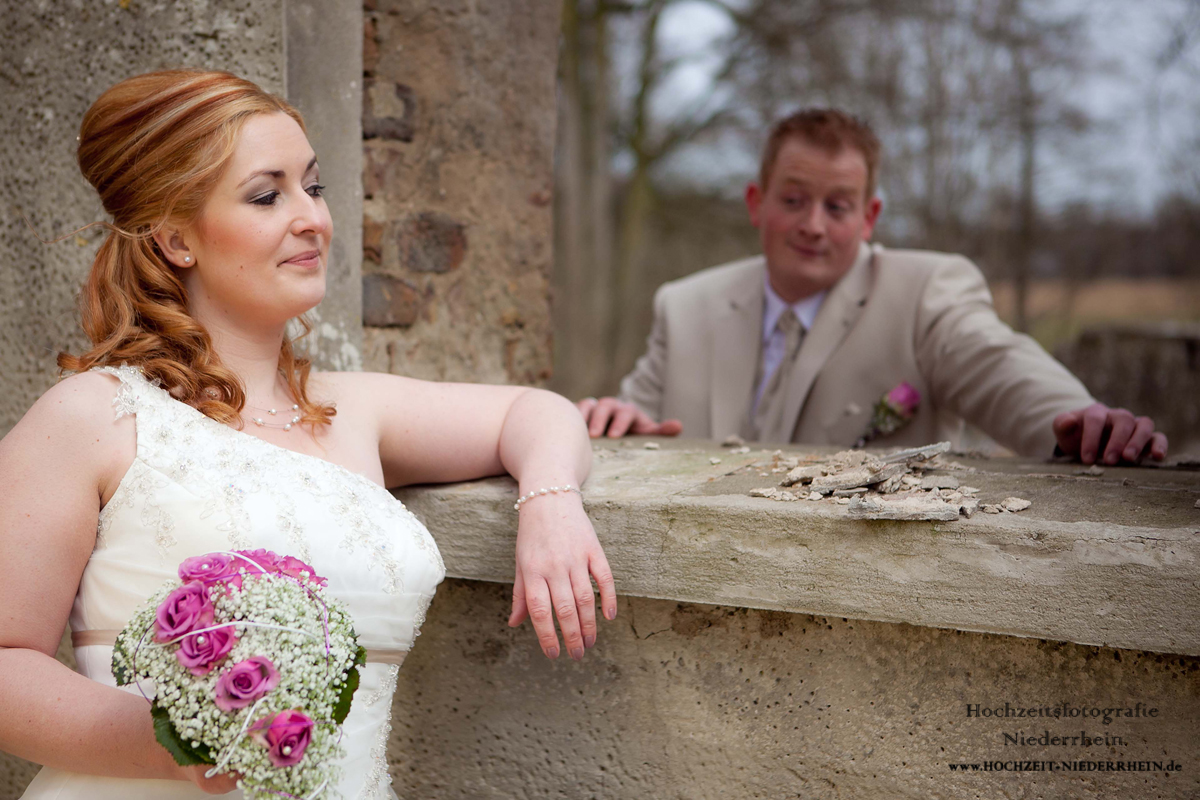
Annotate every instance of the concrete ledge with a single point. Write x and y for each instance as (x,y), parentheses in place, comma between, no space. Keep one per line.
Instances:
(1108,560)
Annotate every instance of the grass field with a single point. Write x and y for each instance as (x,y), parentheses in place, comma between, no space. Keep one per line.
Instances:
(1059,310)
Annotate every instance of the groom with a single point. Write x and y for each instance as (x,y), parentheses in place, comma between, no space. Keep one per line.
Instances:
(825,339)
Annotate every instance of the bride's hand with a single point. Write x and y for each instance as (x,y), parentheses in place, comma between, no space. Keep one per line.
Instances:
(221,784)
(557,550)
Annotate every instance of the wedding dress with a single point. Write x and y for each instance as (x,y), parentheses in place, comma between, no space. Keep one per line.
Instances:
(197,486)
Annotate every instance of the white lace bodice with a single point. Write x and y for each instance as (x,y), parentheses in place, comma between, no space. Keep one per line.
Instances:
(196,486)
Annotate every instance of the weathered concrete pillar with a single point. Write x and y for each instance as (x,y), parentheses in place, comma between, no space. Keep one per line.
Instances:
(323,45)
(458,115)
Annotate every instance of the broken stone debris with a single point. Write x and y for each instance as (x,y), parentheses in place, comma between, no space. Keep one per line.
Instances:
(939,482)
(714,460)
(917,453)
(892,486)
(771,493)
(804,474)
(890,473)
(733,441)
(916,506)
(842,480)
(1015,504)
(652,446)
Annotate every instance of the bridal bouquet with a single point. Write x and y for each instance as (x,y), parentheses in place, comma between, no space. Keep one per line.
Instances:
(254,668)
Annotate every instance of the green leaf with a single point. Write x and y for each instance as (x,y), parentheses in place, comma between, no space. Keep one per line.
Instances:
(342,709)
(119,659)
(184,754)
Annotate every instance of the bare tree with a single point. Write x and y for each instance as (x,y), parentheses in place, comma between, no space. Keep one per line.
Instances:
(1044,54)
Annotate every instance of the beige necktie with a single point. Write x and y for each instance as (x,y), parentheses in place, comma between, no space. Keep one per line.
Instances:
(768,417)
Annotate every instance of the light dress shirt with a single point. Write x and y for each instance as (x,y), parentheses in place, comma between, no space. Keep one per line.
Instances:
(773,339)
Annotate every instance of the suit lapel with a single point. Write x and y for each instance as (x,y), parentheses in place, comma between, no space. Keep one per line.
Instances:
(737,337)
(838,313)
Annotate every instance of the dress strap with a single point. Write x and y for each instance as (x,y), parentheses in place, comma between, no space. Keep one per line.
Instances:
(131,393)
(157,413)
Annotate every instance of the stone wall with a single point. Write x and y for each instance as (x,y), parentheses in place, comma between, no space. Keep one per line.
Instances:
(682,701)
(784,649)
(458,120)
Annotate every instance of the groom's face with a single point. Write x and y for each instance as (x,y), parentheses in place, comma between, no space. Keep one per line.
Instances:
(812,216)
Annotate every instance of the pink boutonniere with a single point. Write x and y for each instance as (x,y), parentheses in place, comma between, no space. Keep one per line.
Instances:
(893,411)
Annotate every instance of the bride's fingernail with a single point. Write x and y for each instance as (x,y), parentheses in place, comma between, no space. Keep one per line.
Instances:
(577,654)
(610,613)
(552,652)
(589,641)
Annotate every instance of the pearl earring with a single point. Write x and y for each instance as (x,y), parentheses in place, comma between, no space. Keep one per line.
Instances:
(187,259)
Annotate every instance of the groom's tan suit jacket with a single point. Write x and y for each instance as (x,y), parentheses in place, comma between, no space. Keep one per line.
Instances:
(897,315)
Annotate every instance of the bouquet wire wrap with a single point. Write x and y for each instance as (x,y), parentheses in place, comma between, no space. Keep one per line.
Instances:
(253,668)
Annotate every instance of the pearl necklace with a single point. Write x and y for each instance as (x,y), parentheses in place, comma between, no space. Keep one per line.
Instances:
(287,426)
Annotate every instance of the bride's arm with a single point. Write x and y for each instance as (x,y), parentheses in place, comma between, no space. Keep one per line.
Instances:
(440,432)
(55,465)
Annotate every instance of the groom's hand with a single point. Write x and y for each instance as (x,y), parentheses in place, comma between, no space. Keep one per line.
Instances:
(608,414)
(1099,434)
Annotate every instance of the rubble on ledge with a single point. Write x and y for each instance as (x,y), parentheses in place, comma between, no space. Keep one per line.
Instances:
(890,486)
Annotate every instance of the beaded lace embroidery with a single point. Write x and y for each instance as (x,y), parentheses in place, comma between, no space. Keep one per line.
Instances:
(248,460)
(379,777)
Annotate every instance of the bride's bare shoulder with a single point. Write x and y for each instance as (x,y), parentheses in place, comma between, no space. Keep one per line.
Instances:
(85,398)
(76,415)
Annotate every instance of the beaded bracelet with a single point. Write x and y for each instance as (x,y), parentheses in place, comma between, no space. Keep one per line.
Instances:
(551,490)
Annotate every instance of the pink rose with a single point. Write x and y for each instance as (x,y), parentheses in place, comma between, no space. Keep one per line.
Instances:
(286,736)
(245,683)
(265,559)
(200,652)
(185,609)
(281,565)
(904,399)
(207,568)
(298,569)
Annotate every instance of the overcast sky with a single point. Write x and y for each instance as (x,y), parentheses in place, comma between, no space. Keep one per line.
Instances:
(1145,112)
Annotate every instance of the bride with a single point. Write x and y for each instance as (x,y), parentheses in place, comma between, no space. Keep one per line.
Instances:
(192,426)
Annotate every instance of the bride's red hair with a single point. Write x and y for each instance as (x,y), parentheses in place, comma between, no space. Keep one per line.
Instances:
(153,146)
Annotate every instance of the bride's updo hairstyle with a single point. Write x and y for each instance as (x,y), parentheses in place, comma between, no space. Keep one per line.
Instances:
(153,146)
